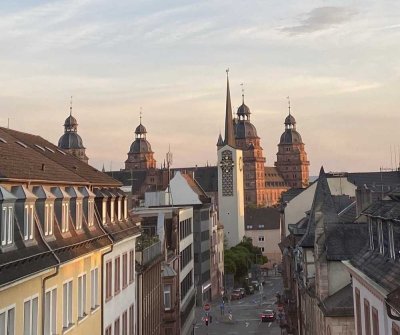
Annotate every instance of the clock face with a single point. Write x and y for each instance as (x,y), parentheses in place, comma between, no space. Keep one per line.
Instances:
(240,163)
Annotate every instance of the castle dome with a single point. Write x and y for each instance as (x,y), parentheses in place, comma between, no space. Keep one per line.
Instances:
(140,145)
(290,120)
(245,129)
(70,140)
(290,136)
(140,129)
(243,110)
(70,122)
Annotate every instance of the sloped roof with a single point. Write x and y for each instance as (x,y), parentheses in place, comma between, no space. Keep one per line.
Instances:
(261,218)
(195,186)
(340,303)
(344,240)
(30,157)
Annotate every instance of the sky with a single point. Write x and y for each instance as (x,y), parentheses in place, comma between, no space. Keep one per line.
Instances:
(337,60)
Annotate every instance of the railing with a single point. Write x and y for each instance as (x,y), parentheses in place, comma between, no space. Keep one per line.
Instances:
(149,253)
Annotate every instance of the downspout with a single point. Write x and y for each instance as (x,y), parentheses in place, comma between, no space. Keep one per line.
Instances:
(50,276)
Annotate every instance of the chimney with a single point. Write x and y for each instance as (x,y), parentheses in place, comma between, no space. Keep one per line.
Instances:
(363,198)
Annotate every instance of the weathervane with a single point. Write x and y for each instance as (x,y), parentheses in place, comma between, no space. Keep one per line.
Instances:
(241,84)
(70,106)
(140,115)
(288,98)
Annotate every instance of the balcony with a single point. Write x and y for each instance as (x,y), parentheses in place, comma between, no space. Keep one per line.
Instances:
(147,250)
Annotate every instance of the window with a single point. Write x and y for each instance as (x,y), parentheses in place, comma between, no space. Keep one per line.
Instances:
(380,237)
(125,208)
(375,322)
(262,249)
(131,320)
(117,275)
(48,219)
(367,317)
(7,228)
(185,228)
(7,321)
(67,304)
(28,222)
(391,242)
(167,297)
(90,212)
(104,212)
(50,312)
(116,327)
(112,210)
(261,238)
(131,265)
(371,234)
(108,330)
(119,209)
(186,285)
(186,256)
(82,296)
(125,323)
(108,280)
(358,311)
(124,270)
(94,287)
(78,215)
(65,217)
(31,316)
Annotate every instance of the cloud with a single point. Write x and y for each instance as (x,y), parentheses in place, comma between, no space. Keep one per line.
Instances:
(321,18)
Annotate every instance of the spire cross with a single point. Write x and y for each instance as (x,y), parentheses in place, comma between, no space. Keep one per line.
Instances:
(140,115)
(70,107)
(241,84)
(288,98)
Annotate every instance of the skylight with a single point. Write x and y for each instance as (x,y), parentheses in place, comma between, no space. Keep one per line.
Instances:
(21,144)
(61,152)
(51,150)
(3,140)
(40,147)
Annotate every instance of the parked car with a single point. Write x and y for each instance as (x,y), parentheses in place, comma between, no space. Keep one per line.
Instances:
(236,294)
(268,315)
(242,292)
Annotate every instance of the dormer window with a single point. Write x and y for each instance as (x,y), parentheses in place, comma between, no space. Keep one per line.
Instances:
(7,227)
(65,217)
(125,209)
(48,219)
(380,237)
(28,222)
(90,212)
(104,212)
(392,248)
(112,212)
(371,234)
(119,209)
(79,215)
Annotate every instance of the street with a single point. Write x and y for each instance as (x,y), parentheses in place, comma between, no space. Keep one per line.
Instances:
(245,314)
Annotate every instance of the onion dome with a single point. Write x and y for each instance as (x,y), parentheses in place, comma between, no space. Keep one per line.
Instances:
(140,129)
(243,111)
(70,140)
(70,121)
(140,145)
(290,136)
(245,129)
(290,120)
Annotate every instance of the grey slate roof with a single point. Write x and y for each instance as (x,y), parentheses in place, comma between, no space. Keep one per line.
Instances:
(349,214)
(262,218)
(340,303)
(344,240)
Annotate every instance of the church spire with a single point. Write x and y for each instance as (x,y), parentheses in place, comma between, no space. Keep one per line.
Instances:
(229,134)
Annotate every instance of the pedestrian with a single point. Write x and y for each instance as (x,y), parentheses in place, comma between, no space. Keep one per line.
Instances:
(222,308)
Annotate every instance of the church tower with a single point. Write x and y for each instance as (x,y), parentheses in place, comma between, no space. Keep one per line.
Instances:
(71,142)
(140,155)
(253,159)
(230,180)
(292,161)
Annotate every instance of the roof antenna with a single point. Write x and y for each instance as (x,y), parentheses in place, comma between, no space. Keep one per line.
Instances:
(288,99)
(70,107)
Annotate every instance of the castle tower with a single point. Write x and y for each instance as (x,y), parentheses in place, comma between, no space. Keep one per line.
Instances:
(253,159)
(70,141)
(292,160)
(140,155)
(230,180)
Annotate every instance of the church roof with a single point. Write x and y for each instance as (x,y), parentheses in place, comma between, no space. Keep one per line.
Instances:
(140,145)
(245,129)
(70,140)
(290,136)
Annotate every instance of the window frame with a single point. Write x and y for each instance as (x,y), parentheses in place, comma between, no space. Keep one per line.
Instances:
(31,330)
(67,303)
(82,291)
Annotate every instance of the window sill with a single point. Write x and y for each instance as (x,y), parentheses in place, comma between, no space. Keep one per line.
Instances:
(82,318)
(65,330)
(94,310)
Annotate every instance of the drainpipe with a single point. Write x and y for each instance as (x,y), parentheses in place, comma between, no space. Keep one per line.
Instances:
(49,276)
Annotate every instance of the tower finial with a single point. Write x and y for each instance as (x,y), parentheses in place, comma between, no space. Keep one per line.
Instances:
(70,107)
(140,115)
(242,92)
(288,98)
